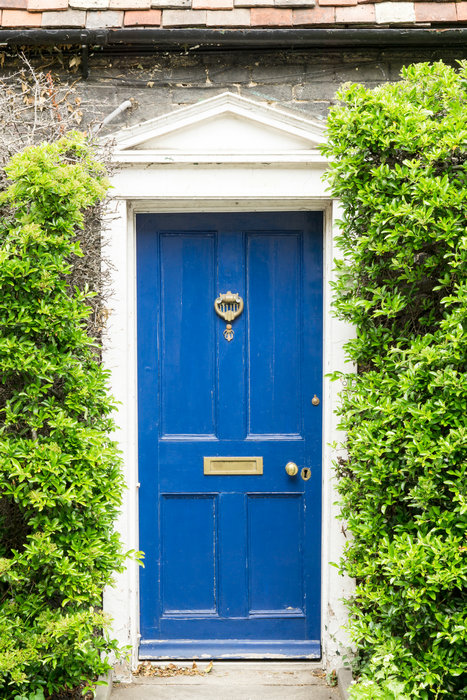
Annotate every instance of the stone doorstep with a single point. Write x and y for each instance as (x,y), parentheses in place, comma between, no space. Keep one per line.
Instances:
(256,692)
(344,679)
(344,675)
(235,680)
(103,692)
(254,670)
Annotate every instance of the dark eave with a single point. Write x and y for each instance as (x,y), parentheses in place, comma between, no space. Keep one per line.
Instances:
(174,39)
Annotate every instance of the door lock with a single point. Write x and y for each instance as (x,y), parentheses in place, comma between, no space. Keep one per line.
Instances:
(306,473)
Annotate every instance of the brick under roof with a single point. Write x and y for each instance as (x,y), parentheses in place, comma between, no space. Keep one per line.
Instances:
(114,14)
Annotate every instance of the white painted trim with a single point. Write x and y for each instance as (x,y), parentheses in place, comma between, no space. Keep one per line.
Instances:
(226,103)
(224,188)
(307,158)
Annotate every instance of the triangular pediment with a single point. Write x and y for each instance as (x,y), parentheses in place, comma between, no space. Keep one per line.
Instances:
(223,127)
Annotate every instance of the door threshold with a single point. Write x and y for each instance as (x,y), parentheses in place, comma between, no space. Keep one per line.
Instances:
(244,664)
(232,649)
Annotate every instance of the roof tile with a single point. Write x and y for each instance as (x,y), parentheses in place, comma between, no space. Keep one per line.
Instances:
(395,12)
(316,15)
(69,18)
(337,3)
(360,14)
(171,4)
(294,3)
(270,17)
(183,18)
(102,19)
(21,18)
(13,4)
(130,4)
(435,12)
(142,18)
(212,4)
(230,13)
(89,4)
(254,3)
(40,5)
(461,9)
(228,18)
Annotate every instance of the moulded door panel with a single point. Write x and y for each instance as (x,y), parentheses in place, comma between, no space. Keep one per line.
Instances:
(232,561)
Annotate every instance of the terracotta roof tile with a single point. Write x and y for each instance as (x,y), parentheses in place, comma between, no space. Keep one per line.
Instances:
(270,17)
(461,8)
(435,12)
(338,3)
(142,18)
(21,18)
(230,13)
(316,15)
(13,4)
(228,18)
(356,14)
(89,4)
(212,4)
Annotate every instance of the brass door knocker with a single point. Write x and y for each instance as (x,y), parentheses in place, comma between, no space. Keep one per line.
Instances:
(228,306)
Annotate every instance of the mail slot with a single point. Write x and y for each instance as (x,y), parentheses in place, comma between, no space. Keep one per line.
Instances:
(233,465)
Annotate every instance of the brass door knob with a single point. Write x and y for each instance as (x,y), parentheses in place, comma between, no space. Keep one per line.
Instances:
(291,469)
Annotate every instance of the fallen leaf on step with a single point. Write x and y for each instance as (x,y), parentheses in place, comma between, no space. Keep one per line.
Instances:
(149,669)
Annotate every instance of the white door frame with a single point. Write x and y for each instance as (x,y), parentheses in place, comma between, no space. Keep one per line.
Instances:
(227,182)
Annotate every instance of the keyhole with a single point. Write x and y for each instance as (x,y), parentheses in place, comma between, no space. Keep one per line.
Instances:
(306,473)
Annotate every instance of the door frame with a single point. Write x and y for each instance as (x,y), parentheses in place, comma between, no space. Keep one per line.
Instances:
(246,188)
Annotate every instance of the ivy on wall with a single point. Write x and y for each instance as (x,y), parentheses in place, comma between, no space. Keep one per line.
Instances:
(399,167)
(60,479)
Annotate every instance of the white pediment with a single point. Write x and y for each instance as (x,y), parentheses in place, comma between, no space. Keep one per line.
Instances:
(225,128)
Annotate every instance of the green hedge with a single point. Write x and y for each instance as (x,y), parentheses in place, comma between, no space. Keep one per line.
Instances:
(400,169)
(60,479)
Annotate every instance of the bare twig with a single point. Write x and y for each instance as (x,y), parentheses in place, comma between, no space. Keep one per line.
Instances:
(35,107)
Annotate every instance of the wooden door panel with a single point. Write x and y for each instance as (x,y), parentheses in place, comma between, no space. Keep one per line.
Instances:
(274,331)
(188,398)
(189,554)
(232,565)
(275,554)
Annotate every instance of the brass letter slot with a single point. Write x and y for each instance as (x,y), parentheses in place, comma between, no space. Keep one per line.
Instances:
(233,465)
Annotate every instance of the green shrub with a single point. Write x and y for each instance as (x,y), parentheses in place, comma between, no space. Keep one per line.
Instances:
(388,689)
(400,169)
(60,479)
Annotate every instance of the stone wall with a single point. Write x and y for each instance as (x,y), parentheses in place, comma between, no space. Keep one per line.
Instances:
(156,83)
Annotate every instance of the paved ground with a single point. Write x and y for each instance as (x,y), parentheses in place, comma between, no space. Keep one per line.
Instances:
(235,681)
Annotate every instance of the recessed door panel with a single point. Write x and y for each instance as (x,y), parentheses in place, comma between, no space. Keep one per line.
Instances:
(231,540)
(187,264)
(274,261)
(189,554)
(275,545)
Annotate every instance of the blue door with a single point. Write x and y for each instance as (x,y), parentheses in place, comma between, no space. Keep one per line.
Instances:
(231,540)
